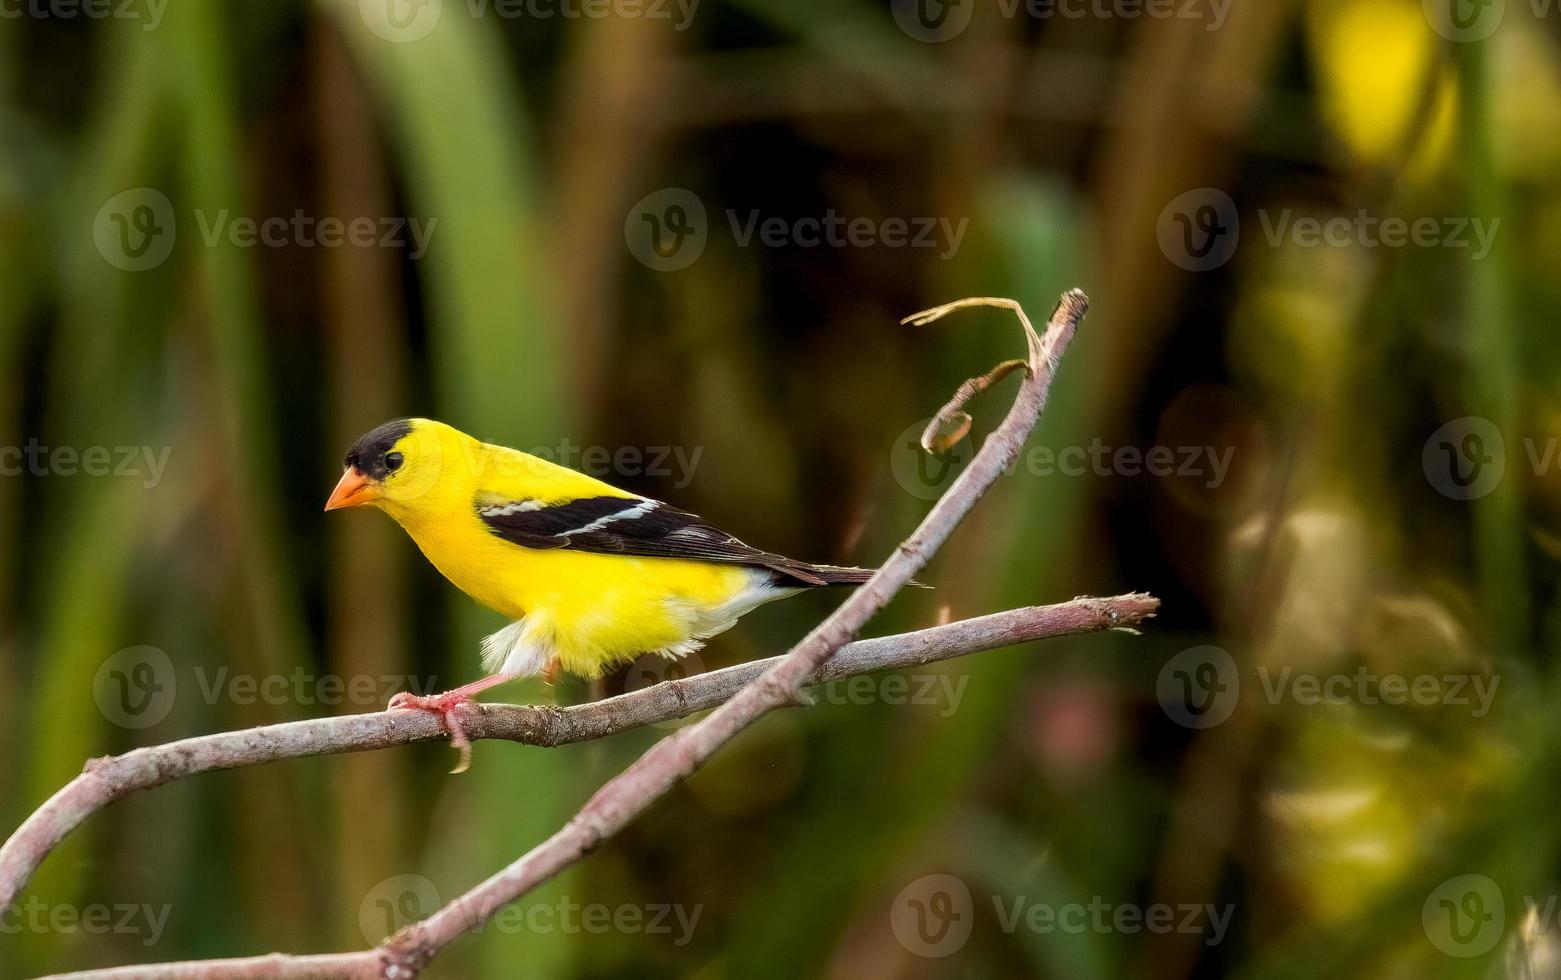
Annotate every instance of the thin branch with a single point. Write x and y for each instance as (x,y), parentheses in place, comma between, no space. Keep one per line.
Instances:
(547,727)
(109,780)
(674,758)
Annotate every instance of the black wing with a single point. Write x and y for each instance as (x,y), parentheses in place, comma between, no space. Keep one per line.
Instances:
(643,528)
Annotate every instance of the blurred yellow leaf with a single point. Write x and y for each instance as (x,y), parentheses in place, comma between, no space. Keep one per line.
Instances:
(1374,59)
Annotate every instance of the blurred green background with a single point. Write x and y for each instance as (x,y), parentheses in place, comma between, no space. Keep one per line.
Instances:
(1321,241)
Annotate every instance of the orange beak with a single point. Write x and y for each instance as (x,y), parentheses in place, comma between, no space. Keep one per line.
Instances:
(353,490)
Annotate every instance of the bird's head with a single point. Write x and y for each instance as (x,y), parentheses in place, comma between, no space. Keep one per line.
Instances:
(393,466)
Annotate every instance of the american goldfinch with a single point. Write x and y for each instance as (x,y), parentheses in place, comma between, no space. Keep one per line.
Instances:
(592,576)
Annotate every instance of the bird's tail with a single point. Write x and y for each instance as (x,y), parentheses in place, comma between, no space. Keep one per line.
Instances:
(842,575)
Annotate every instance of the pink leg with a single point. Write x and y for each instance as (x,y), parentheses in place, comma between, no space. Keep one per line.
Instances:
(445,705)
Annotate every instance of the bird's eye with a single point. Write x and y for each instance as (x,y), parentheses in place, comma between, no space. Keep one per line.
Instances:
(393,461)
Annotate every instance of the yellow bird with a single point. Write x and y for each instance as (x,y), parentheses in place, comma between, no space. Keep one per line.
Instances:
(592,576)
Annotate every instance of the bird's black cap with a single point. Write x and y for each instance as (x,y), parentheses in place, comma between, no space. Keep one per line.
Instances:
(367,455)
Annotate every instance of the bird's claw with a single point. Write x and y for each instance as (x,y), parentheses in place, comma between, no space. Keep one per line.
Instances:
(445,706)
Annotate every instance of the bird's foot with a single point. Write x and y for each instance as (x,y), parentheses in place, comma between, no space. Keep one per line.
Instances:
(447,707)
(551,670)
